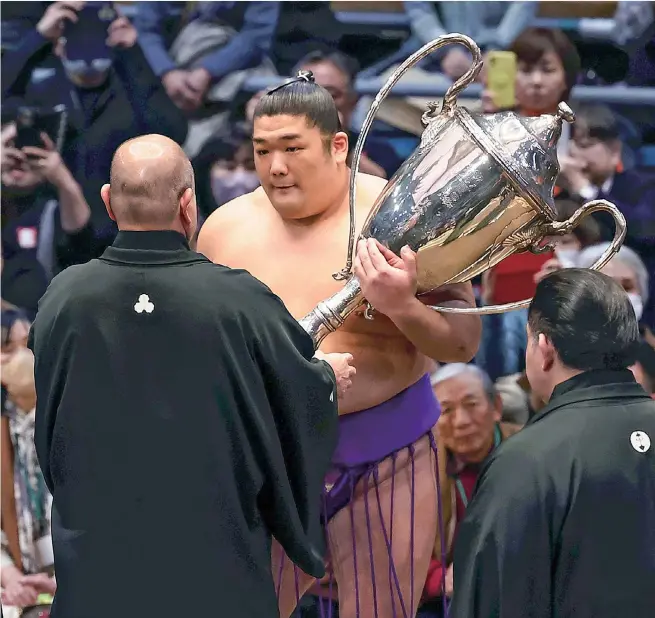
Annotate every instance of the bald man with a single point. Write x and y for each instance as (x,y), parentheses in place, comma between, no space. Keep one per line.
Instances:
(182,419)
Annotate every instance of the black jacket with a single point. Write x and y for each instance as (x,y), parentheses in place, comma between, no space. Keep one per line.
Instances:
(562,522)
(181,421)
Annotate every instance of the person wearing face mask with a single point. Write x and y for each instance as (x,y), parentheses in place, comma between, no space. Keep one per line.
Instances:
(105,83)
(225,170)
(627,268)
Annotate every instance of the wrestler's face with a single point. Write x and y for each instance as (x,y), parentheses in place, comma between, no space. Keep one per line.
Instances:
(468,417)
(298,166)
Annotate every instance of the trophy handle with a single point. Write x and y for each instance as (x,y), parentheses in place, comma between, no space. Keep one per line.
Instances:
(559,228)
(448,106)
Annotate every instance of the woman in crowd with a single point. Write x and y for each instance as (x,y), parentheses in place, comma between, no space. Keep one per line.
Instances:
(547,69)
(225,170)
(26,552)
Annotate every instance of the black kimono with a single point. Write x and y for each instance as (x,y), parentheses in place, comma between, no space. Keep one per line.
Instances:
(180,422)
(562,522)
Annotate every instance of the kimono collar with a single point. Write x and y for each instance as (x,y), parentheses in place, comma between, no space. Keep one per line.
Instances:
(589,386)
(162,240)
(152,247)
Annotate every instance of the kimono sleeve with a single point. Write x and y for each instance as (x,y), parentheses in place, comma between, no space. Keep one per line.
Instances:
(50,339)
(302,397)
(502,562)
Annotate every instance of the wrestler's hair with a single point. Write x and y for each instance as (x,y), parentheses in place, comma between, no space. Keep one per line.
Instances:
(453,370)
(588,318)
(301,96)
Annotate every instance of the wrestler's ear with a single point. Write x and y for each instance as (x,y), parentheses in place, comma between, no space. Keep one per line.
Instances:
(340,147)
(105,194)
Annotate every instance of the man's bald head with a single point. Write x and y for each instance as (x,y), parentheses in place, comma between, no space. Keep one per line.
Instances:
(149,177)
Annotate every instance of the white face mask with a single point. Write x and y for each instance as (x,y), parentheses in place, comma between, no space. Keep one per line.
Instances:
(637,304)
(567,256)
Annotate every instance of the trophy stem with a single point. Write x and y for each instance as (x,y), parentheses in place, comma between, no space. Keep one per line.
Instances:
(331,313)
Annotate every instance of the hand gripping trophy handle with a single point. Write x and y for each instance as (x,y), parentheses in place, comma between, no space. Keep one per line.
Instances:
(449,103)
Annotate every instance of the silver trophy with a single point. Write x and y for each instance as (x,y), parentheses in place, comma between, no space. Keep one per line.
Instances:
(478,189)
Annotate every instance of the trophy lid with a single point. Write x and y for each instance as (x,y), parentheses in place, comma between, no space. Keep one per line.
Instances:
(527,148)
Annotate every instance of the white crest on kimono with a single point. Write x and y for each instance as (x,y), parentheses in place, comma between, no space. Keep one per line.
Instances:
(640,441)
(144,304)
(332,396)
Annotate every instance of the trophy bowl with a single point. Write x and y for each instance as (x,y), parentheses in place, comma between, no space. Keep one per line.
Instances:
(477,189)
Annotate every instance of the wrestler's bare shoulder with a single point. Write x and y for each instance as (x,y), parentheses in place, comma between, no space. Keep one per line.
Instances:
(369,187)
(235,213)
(230,221)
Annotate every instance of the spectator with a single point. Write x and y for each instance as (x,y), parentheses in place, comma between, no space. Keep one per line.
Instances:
(548,66)
(224,170)
(627,268)
(492,25)
(337,72)
(204,54)
(468,430)
(105,107)
(52,228)
(593,170)
(27,559)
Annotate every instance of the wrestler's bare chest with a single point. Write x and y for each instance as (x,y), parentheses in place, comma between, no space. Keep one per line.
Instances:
(299,268)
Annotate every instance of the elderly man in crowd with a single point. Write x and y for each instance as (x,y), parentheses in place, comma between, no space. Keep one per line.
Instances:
(468,430)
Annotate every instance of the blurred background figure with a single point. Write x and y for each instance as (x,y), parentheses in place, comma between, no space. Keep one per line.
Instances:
(85,58)
(26,558)
(492,25)
(627,268)
(225,170)
(203,52)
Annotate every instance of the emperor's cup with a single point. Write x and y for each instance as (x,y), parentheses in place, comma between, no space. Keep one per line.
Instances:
(478,189)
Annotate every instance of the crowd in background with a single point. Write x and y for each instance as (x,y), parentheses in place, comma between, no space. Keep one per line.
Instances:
(183,70)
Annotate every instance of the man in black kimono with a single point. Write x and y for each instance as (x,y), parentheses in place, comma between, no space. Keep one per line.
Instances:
(181,418)
(562,522)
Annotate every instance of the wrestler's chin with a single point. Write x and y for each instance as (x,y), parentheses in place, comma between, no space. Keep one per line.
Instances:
(288,201)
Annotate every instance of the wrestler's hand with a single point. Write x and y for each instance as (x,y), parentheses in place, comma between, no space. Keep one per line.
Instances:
(388,281)
(343,369)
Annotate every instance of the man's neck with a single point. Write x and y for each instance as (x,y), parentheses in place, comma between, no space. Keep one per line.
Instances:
(559,376)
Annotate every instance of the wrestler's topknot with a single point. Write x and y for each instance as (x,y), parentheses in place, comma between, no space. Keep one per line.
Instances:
(302,96)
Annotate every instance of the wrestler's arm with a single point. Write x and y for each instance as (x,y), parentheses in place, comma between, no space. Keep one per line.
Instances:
(444,337)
